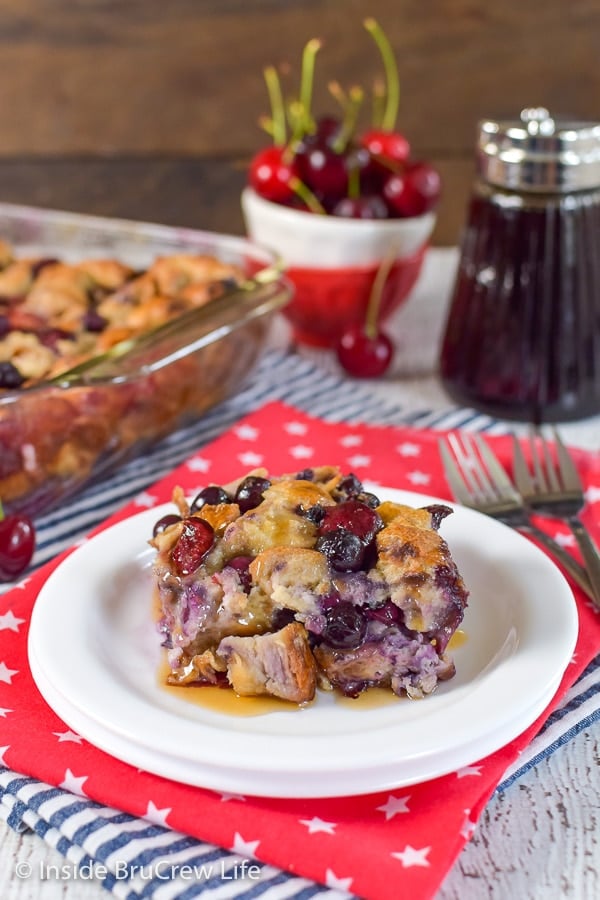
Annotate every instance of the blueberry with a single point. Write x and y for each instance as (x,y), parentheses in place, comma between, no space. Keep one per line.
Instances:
(10,377)
(346,626)
(344,550)
(94,322)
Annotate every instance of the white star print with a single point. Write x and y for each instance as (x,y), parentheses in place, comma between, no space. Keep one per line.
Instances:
(417,477)
(2,752)
(301,452)
(393,806)
(157,816)
(316,825)
(247,432)
(67,736)
(410,856)
(250,459)
(145,499)
(244,848)
(592,493)
(6,674)
(358,461)
(295,427)
(23,583)
(337,884)
(74,783)
(4,712)
(468,826)
(468,770)
(351,440)
(198,464)
(10,621)
(408,449)
(565,540)
(226,797)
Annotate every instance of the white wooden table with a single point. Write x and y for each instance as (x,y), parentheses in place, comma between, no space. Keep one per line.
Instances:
(537,841)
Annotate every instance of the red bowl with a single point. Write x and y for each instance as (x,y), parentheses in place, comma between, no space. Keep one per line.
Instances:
(326,301)
(332,263)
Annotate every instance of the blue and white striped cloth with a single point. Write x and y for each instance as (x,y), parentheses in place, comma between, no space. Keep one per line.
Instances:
(122,850)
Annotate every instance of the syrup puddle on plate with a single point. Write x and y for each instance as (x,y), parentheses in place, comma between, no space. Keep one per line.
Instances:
(225,701)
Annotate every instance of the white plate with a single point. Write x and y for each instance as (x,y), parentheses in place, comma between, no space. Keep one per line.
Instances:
(94,654)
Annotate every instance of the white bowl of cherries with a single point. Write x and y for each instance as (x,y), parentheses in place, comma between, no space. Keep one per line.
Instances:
(349,212)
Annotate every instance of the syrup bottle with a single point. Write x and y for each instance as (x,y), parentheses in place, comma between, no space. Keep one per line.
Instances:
(522,339)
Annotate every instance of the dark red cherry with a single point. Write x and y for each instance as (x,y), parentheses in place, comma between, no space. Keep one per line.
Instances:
(323,170)
(165,523)
(414,191)
(250,492)
(363,355)
(354,516)
(17,543)
(195,540)
(210,496)
(364,207)
(388,614)
(241,564)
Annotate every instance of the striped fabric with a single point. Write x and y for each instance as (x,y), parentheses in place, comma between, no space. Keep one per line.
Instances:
(123,851)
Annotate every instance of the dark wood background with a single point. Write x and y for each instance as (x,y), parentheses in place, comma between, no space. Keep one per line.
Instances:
(148,108)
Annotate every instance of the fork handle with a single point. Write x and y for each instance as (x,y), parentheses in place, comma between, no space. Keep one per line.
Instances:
(590,553)
(575,570)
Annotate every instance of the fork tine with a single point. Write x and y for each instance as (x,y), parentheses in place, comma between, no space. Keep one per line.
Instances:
(569,474)
(539,477)
(553,479)
(455,480)
(501,482)
(487,485)
(523,479)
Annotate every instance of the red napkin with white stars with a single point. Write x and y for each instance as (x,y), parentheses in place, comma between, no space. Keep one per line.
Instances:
(386,845)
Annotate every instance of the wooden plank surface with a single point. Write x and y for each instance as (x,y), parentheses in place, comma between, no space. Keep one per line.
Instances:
(178,89)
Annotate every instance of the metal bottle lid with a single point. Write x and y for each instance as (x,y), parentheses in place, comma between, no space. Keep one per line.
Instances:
(539,153)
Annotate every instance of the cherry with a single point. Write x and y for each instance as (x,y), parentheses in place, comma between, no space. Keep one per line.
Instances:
(354,516)
(362,355)
(165,523)
(17,543)
(271,174)
(368,206)
(194,542)
(413,192)
(210,496)
(250,492)
(366,351)
(388,146)
(241,564)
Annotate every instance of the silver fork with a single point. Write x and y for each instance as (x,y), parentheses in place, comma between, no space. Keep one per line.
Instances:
(554,489)
(479,481)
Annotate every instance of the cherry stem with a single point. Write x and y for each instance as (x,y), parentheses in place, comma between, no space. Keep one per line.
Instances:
(390,113)
(1,511)
(374,304)
(378,103)
(266,123)
(277,106)
(306,195)
(338,93)
(306,81)
(355,98)
(354,183)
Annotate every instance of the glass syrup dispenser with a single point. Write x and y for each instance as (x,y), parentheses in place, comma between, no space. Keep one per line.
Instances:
(522,339)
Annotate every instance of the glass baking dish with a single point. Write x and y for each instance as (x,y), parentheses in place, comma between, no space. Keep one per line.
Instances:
(60,434)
